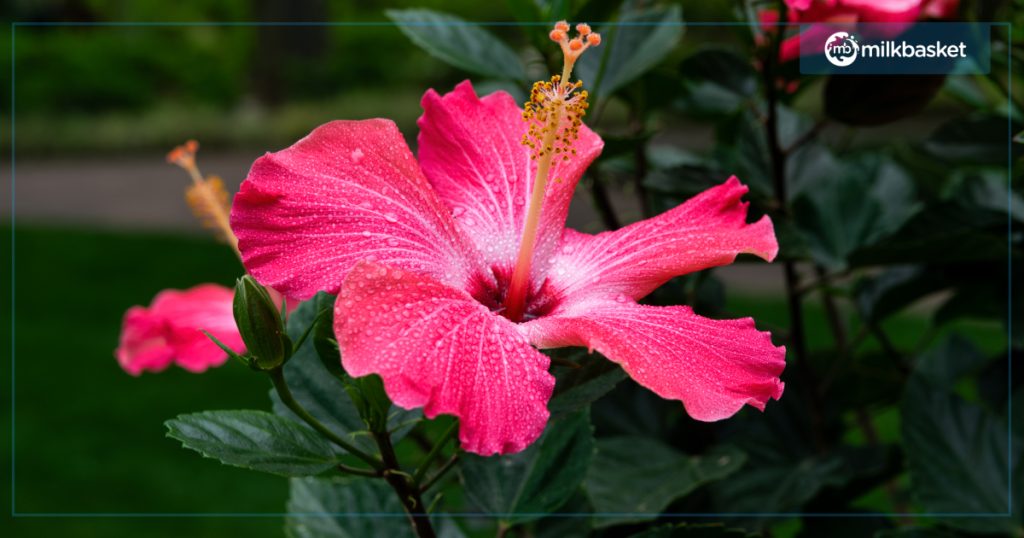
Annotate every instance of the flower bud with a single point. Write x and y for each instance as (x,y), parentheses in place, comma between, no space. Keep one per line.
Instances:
(260,324)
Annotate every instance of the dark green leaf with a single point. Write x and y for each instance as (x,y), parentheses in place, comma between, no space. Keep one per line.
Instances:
(459,43)
(637,477)
(641,39)
(520,487)
(352,507)
(578,388)
(331,508)
(982,140)
(942,232)
(564,526)
(889,292)
(717,82)
(785,469)
(254,440)
(741,147)
(958,458)
(847,212)
(693,530)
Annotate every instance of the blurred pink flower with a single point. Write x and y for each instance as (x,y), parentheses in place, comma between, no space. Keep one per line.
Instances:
(170,330)
(854,11)
(421,255)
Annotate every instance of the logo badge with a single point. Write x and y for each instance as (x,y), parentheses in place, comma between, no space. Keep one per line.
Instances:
(841,49)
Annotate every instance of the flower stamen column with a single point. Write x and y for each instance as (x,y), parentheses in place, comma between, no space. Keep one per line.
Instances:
(554,113)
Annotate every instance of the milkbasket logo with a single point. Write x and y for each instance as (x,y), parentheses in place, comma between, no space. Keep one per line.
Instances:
(841,49)
(930,48)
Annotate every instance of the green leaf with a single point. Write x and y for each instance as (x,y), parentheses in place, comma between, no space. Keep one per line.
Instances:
(976,140)
(889,292)
(785,469)
(520,487)
(943,232)
(717,82)
(330,508)
(254,440)
(693,530)
(323,394)
(578,388)
(566,527)
(352,507)
(637,477)
(853,210)
(957,452)
(641,40)
(456,42)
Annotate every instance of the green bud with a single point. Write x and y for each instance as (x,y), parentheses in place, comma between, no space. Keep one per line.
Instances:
(260,325)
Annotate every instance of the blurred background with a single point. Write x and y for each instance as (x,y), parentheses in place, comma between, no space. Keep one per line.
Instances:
(101,224)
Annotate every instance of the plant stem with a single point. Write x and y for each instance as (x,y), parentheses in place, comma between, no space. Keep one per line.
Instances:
(408,492)
(640,164)
(440,472)
(797,341)
(441,442)
(602,203)
(277,377)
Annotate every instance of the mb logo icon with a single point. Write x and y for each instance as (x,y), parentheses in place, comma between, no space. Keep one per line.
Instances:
(841,49)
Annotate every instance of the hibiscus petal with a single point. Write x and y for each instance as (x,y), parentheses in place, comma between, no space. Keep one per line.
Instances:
(471,150)
(707,230)
(172,329)
(349,191)
(714,367)
(435,347)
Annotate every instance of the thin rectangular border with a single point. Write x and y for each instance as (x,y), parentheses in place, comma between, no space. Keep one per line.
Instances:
(1009,229)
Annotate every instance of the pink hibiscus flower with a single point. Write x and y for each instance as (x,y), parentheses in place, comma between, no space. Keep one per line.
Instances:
(452,269)
(170,330)
(894,12)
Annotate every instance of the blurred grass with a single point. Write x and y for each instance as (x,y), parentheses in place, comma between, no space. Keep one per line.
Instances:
(90,437)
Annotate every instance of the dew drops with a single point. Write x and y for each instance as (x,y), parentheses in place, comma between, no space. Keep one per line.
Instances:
(357,155)
(458,210)
(390,217)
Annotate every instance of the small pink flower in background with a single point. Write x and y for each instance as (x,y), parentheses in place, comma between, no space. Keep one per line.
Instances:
(854,11)
(449,270)
(170,331)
